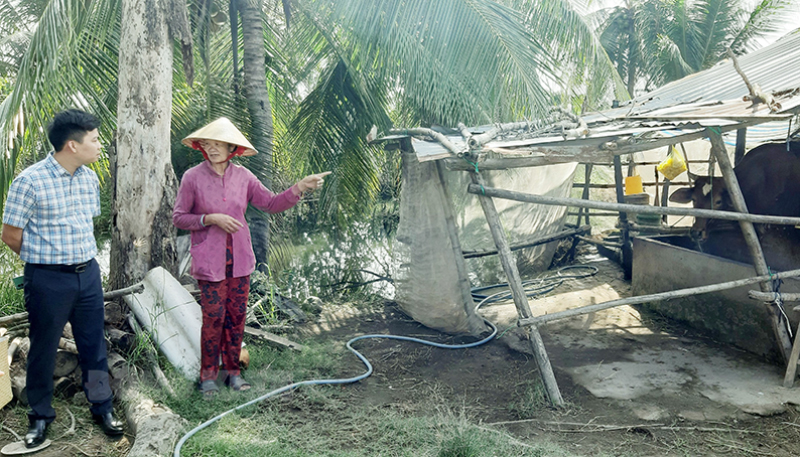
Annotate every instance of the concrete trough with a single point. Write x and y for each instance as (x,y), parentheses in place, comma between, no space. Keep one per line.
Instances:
(665,263)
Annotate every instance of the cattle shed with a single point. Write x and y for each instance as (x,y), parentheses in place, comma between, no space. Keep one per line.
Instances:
(739,102)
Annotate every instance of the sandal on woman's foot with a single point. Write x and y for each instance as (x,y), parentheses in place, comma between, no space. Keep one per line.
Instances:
(236,382)
(209,389)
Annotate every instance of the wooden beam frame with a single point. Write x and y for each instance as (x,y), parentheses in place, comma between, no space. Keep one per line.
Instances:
(518,292)
(661,296)
(751,238)
(628,208)
(590,150)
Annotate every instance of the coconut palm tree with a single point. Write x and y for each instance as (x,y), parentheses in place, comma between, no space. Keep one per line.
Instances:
(653,42)
(55,54)
(341,67)
(423,62)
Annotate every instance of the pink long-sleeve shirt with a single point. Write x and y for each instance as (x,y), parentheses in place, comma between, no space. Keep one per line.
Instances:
(202,192)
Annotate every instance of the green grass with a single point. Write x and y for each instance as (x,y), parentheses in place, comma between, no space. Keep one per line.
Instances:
(11,300)
(530,402)
(355,431)
(330,420)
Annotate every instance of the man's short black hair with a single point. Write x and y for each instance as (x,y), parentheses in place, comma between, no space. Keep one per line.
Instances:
(72,124)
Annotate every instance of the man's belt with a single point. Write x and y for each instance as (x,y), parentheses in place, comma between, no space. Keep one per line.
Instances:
(76,268)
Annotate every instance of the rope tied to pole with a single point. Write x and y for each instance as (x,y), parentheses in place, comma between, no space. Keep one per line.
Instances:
(474,164)
(776,287)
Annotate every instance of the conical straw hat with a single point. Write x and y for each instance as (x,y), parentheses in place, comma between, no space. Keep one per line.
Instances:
(221,130)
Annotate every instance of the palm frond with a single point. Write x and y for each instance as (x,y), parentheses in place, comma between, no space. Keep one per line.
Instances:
(582,65)
(767,17)
(58,54)
(670,62)
(716,22)
(458,60)
(330,135)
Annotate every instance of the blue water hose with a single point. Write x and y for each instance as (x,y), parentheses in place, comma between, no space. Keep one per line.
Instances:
(488,299)
(336,381)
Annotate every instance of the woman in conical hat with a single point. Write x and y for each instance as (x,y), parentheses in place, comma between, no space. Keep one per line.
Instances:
(212,199)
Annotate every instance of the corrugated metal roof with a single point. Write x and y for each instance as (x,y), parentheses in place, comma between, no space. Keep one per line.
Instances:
(718,91)
(774,68)
(710,98)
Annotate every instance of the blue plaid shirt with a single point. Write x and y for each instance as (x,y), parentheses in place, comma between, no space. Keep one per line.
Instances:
(55,211)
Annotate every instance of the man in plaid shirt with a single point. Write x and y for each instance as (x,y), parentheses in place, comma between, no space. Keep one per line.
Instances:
(48,221)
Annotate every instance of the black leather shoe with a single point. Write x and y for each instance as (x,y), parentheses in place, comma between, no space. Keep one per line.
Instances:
(110,426)
(37,433)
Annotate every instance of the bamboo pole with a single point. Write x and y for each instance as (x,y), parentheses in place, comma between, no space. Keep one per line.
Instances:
(741,140)
(539,320)
(642,163)
(593,214)
(580,185)
(791,366)
(587,183)
(464,132)
(583,150)
(627,249)
(474,322)
(773,296)
(545,239)
(134,289)
(628,208)
(428,132)
(476,141)
(751,238)
(737,199)
(13,318)
(518,293)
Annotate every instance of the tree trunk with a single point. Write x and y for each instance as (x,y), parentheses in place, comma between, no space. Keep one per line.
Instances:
(633,55)
(156,427)
(255,85)
(145,183)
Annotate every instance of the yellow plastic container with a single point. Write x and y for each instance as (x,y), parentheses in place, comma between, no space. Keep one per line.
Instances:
(633,185)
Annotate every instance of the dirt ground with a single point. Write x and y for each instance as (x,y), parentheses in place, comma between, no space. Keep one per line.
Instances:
(633,385)
(69,439)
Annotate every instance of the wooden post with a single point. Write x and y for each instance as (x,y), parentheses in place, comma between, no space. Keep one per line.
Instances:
(585,196)
(791,366)
(458,256)
(750,237)
(518,293)
(665,188)
(627,252)
(741,138)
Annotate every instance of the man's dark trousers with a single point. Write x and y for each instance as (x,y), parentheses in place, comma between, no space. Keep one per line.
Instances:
(53,296)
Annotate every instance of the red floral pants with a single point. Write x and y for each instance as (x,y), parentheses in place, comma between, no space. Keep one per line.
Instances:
(224,305)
